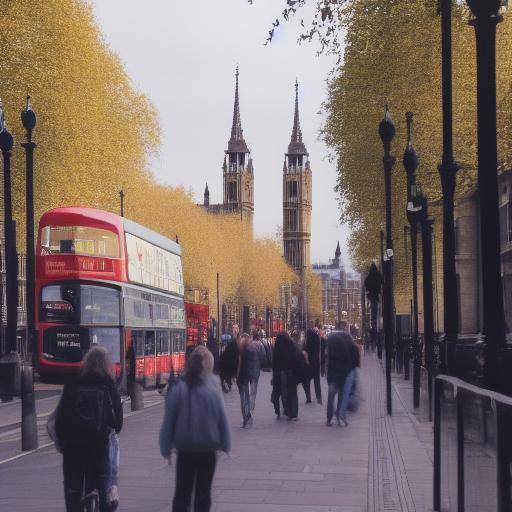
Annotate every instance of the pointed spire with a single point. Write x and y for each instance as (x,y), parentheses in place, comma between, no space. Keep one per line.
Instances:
(224,164)
(206,196)
(337,254)
(296,145)
(237,142)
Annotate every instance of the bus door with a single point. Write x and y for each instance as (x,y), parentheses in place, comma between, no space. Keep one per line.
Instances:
(138,349)
(162,363)
(149,358)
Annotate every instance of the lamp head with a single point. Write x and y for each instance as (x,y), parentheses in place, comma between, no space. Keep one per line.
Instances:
(387,128)
(28,116)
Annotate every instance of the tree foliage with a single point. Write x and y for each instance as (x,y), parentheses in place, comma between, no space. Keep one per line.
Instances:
(96,134)
(392,55)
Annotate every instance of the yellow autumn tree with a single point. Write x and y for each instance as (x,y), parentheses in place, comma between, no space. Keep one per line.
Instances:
(393,56)
(96,134)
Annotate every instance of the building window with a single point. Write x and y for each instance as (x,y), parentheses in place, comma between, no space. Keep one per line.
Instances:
(292,189)
(232,195)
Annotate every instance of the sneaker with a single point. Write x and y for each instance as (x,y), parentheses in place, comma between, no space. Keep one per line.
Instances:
(319,401)
(308,401)
(113,498)
(328,423)
(343,420)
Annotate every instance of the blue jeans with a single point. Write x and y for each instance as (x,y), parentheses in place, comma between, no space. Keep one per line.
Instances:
(343,391)
(347,389)
(113,455)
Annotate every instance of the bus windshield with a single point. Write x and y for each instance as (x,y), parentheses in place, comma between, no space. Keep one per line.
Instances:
(80,304)
(83,240)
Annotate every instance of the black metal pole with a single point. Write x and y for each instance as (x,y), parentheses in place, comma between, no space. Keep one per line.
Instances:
(415,334)
(383,299)
(28,411)
(485,22)
(387,133)
(410,162)
(219,322)
(29,120)
(121,197)
(448,170)
(428,300)
(11,258)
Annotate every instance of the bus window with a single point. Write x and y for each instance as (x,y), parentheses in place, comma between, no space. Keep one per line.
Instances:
(99,305)
(138,343)
(178,338)
(149,347)
(162,342)
(82,240)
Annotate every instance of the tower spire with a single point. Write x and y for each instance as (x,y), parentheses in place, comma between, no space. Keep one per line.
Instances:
(296,146)
(337,254)
(236,141)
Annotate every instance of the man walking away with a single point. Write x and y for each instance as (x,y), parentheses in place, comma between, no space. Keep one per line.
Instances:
(247,377)
(341,361)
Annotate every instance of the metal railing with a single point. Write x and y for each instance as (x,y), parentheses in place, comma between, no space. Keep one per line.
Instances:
(472,448)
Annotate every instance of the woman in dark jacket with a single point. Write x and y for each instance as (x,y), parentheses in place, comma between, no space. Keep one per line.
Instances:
(313,351)
(89,409)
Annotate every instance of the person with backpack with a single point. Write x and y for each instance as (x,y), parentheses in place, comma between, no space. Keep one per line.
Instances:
(195,424)
(88,413)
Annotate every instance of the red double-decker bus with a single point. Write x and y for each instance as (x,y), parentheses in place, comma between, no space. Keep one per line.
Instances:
(103,279)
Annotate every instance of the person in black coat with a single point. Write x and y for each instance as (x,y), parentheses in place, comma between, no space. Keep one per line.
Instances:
(312,349)
(89,409)
(285,366)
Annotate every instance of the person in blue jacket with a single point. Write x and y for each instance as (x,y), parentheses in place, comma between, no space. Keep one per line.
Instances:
(195,424)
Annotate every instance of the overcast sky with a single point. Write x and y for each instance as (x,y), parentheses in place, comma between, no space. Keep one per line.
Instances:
(183,54)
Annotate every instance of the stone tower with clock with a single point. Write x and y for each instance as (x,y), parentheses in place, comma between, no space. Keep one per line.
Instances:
(297,200)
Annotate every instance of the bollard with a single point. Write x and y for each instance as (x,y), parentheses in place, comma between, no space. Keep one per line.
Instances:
(136,397)
(10,365)
(28,410)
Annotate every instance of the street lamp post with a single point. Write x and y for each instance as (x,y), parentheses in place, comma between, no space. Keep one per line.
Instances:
(410,162)
(387,133)
(28,119)
(486,17)
(448,171)
(428,297)
(10,363)
(121,200)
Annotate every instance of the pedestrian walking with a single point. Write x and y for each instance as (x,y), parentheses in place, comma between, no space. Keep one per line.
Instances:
(301,369)
(285,369)
(313,352)
(88,412)
(248,375)
(195,424)
(278,365)
(342,359)
(228,361)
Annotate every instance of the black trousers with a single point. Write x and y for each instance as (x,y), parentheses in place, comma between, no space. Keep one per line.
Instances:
(307,387)
(85,469)
(198,468)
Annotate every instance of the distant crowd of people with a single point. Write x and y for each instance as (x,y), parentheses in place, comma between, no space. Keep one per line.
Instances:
(89,415)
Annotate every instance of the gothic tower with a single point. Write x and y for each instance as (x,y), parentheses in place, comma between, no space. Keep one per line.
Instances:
(237,169)
(297,198)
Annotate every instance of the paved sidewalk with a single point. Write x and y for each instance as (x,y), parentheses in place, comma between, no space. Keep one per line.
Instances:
(377,463)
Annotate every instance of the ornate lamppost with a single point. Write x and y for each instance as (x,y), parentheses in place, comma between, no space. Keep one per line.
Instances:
(410,162)
(486,17)
(448,171)
(10,363)
(28,119)
(121,200)
(387,134)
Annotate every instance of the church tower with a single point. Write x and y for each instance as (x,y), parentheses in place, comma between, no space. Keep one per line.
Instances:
(237,169)
(297,191)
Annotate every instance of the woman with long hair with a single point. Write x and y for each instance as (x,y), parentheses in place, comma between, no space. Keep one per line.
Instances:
(88,412)
(195,424)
